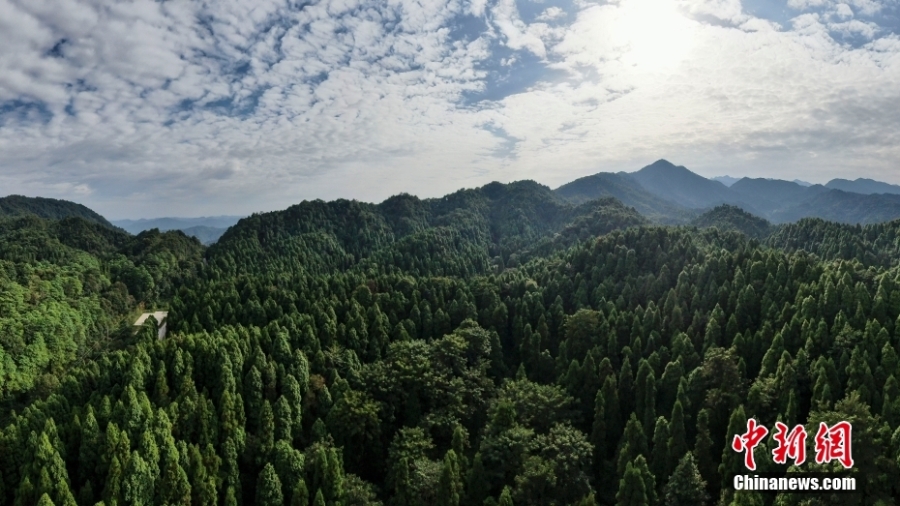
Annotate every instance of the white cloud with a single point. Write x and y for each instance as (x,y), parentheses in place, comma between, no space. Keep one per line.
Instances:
(551,13)
(143,108)
(517,34)
(843,11)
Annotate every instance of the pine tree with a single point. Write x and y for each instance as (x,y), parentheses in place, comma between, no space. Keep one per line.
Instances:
(640,464)
(477,484)
(659,455)
(633,443)
(686,487)
(626,388)
(677,440)
(459,443)
(138,483)
(703,448)
(505,498)
(334,476)
(268,488)
(320,498)
(732,462)
(599,431)
(300,494)
(632,490)
(173,487)
(645,397)
(450,486)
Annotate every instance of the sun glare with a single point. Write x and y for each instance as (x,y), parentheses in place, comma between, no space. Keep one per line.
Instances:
(652,34)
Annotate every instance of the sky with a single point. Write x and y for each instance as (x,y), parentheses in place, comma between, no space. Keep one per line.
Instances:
(141,108)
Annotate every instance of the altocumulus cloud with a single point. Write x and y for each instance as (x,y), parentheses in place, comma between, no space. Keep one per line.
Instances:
(144,108)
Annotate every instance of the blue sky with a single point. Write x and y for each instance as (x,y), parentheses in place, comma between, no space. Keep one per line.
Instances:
(143,108)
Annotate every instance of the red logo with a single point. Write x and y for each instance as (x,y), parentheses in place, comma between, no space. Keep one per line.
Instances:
(791,445)
(833,443)
(748,441)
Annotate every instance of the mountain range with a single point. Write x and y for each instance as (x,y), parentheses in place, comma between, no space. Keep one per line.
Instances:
(666,193)
(207,229)
(661,192)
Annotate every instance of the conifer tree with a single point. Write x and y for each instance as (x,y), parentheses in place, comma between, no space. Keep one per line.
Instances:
(632,491)
(660,465)
(677,439)
(633,443)
(319,499)
(268,488)
(686,487)
(505,498)
(450,486)
(703,448)
(300,494)
(477,484)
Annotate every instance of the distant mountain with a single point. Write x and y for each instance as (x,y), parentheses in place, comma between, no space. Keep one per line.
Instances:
(163,224)
(773,195)
(207,229)
(726,180)
(843,207)
(726,217)
(206,235)
(862,185)
(802,182)
(628,191)
(679,185)
(53,209)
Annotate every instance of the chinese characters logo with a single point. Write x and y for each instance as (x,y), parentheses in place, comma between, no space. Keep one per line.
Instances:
(831,443)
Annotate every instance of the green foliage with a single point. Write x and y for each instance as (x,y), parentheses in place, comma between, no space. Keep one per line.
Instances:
(686,487)
(17,205)
(727,217)
(451,351)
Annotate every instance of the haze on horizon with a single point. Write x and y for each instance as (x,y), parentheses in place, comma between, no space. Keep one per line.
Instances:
(180,108)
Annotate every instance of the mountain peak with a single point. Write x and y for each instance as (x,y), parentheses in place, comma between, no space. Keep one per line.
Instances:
(662,163)
(678,184)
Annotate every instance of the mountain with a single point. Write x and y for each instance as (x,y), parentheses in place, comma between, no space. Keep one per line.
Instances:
(802,182)
(207,229)
(163,224)
(726,180)
(53,209)
(206,235)
(772,195)
(843,207)
(679,185)
(776,200)
(726,217)
(862,185)
(492,227)
(498,342)
(629,192)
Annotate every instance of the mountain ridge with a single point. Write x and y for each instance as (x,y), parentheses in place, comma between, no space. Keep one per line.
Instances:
(48,208)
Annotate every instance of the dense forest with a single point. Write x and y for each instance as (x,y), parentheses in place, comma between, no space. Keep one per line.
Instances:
(498,346)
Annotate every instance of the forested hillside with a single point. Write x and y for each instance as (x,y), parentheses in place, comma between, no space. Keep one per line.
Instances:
(17,205)
(68,286)
(497,346)
(734,218)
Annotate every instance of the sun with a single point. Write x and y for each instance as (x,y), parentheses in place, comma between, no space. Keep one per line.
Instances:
(652,34)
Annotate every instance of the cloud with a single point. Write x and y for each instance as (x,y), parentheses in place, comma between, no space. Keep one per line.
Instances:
(551,13)
(143,108)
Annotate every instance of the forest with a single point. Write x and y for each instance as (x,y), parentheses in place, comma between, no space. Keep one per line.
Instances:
(498,346)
